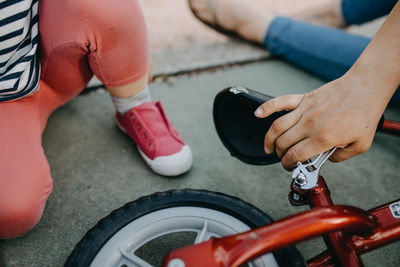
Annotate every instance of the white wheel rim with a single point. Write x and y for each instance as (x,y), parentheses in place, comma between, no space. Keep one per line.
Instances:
(119,250)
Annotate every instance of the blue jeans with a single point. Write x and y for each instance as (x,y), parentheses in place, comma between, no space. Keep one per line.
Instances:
(324,51)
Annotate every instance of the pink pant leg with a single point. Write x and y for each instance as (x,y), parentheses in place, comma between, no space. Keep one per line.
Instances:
(104,37)
(78,38)
(25,181)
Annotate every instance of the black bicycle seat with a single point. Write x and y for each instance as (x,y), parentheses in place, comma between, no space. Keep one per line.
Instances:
(240,131)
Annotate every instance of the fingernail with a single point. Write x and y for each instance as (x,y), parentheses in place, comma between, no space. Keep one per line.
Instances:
(259,112)
(267,150)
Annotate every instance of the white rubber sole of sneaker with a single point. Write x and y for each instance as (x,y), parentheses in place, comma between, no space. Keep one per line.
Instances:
(172,165)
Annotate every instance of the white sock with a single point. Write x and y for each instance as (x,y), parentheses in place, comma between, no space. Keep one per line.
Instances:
(123,105)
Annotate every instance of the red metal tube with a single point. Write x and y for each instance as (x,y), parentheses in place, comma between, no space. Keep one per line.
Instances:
(241,248)
(339,243)
(321,260)
(391,127)
(387,231)
(320,196)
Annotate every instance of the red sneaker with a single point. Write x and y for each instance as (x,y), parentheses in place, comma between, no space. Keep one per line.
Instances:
(158,141)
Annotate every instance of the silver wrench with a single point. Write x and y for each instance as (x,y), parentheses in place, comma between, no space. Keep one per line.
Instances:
(305,176)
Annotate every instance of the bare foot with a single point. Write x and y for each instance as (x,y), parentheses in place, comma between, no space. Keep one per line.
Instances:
(326,12)
(234,15)
(251,23)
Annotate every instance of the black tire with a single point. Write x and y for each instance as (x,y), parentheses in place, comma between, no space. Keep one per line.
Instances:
(86,250)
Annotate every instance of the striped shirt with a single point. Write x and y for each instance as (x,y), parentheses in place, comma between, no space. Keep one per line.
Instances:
(19,62)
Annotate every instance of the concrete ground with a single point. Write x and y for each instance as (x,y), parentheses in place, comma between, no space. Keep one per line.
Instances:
(97,169)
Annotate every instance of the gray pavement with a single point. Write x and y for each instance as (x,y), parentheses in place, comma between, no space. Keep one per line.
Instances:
(97,169)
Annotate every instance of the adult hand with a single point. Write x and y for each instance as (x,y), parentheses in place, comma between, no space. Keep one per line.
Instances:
(343,113)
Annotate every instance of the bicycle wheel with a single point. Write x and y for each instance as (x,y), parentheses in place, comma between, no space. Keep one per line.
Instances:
(143,231)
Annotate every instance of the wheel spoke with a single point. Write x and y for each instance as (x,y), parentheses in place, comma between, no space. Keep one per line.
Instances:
(191,222)
(135,260)
(202,235)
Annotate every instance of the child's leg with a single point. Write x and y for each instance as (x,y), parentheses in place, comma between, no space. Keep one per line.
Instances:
(109,38)
(25,181)
(74,36)
(106,37)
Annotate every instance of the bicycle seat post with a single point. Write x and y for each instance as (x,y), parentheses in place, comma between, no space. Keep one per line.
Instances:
(308,187)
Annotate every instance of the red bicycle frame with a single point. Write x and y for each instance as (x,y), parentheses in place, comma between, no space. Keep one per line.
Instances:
(347,231)
(391,127)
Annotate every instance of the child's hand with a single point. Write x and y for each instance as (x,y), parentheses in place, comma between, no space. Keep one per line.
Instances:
(343,113)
